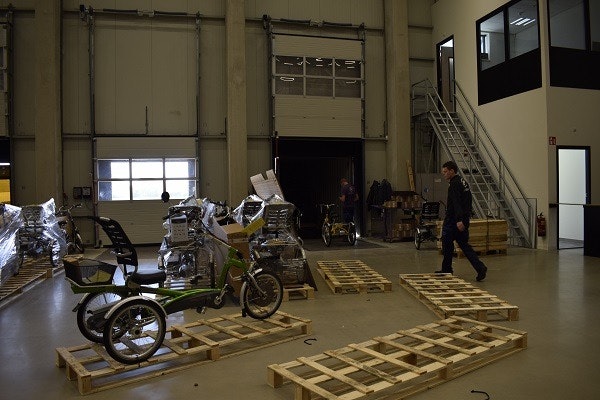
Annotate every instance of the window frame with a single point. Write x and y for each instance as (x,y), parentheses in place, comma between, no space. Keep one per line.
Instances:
(100,179)
(307,77)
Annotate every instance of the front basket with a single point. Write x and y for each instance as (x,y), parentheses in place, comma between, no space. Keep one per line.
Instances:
(87,272)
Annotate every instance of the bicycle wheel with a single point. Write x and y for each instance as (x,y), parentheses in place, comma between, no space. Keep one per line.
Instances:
(263,300)
(89,322)
(352,234)
(78,244)
(127,336)
(54,253)
(326,234)
(418,239)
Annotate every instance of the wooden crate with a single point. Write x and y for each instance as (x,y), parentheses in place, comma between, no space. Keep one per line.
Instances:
(184,346)
(447,295)
(352,276)
(400,364)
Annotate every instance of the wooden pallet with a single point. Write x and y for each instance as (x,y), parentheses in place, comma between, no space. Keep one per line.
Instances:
(352,276)
(184,346)
(447,295)
(401,364)
(304,291)
(31,272)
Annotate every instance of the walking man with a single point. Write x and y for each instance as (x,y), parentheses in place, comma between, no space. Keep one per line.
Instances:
(456,223)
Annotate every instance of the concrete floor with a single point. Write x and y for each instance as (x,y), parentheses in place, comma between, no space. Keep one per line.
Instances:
(558,294)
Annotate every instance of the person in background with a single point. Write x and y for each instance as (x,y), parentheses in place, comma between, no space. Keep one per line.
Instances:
(456,223)
(348,197)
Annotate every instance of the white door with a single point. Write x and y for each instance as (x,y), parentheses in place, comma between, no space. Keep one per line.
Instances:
(572,195)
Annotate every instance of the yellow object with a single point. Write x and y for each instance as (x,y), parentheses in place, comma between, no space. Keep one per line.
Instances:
(4,191)
(254,226)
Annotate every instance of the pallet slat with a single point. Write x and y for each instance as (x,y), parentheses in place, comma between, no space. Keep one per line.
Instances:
(399,364)
(447,295)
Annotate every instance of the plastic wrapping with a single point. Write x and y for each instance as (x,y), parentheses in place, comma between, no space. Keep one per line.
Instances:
(277,247)
(10,221)
(250,209)
(40,235)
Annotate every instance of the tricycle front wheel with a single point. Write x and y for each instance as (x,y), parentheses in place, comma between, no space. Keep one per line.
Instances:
(262,300)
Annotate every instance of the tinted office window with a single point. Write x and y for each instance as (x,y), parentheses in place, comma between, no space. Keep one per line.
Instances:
(567,24)
(492,35)
(523,27)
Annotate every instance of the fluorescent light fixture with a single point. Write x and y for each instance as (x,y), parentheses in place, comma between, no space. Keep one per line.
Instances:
(523,21)
(286,78)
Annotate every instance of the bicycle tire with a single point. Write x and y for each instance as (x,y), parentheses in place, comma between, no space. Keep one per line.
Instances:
(78,242)
(326,234)
(418,240)
(88,306)
(351,234)
(125,337)
(264,301)
(54,253)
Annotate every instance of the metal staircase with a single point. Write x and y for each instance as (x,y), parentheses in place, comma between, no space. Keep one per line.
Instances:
(496,193)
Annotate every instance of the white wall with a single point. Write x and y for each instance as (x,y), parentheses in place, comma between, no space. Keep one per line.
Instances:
(517,124)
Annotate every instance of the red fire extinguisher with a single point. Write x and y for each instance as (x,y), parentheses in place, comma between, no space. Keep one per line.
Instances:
(541,225)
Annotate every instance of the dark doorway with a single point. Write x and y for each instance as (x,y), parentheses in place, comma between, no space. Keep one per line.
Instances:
(445,72)
(309,173)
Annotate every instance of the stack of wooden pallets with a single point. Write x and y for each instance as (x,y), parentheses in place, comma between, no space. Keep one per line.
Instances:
(485,236)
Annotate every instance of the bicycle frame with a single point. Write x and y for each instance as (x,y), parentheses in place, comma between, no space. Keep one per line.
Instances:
(171,300)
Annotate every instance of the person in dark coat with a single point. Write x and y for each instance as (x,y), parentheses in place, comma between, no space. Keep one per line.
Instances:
(348,197)
(456,223)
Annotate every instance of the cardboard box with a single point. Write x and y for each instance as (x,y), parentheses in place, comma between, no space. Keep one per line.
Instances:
(235,236)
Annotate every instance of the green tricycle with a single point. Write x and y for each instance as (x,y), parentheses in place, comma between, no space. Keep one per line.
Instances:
(129,319)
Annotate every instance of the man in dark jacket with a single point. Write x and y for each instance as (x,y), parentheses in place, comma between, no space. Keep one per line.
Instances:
(456,223)
(348,197)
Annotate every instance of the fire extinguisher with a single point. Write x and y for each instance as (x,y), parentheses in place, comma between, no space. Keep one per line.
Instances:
(541,225)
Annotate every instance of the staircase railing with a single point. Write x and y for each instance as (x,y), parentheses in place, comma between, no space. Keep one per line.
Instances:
(425,99)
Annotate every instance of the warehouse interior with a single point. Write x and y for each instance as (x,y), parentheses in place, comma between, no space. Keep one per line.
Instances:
(108,104)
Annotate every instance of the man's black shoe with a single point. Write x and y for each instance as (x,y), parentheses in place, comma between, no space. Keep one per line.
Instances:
(481,275)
